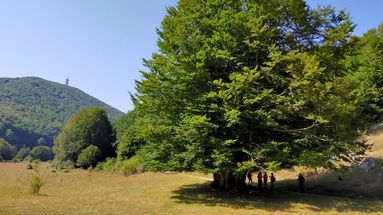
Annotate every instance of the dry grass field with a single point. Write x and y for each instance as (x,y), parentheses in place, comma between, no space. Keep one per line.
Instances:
(375,139)
(81,192)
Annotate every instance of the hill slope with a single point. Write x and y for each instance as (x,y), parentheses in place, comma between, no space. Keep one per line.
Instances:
(32,108)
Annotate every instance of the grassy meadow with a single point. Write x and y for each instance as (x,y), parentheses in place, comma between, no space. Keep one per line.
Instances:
(84,192)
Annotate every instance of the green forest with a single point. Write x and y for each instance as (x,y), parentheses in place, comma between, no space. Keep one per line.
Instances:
(235,87)
(33,110)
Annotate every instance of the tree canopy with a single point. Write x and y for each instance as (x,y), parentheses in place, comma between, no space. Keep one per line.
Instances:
(22,153)
(89,127)
(7,151)
(43,153)
(365,65)
(123,123)
(249,84)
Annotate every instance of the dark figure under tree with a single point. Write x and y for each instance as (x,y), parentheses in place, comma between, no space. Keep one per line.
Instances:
(272,180)
(301,181)
(250,178)
(265,178)
(259,180)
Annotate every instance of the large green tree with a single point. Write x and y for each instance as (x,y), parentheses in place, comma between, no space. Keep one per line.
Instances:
(89,127)
(243,85)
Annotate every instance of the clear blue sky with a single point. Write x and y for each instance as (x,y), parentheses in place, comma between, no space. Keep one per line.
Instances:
(100,43)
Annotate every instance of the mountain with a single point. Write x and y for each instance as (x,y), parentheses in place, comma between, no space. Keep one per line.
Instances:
(33,110)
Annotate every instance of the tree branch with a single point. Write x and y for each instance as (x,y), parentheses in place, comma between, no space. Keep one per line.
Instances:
(299,129)
(321,139)
(285,91)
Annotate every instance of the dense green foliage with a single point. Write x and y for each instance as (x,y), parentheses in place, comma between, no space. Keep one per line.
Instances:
(89,156)
(42,153)
(123,123)
(89,127)
(131,139)
(245,85)
(365,65)
(129,134)
(128,166)
(7,151)
(22,154)
(32,108)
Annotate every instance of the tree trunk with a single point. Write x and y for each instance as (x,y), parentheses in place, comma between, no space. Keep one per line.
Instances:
(215,183)
(227,180)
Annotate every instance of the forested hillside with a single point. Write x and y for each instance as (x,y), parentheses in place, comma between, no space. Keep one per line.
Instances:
(33,110)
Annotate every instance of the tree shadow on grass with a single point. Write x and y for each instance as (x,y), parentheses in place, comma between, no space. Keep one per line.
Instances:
(282,199)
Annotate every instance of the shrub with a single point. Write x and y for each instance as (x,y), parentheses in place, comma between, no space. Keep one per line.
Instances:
(36,183)
(131,166)
(60,166)
(28,158)
(111,165)
(29,166)
(89,156)
(100,166)
(36,161)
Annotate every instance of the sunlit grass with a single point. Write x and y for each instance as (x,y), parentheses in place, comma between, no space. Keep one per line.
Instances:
(78,192)
(375,139)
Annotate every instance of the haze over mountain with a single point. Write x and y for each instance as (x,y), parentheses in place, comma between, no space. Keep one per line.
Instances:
(32,108)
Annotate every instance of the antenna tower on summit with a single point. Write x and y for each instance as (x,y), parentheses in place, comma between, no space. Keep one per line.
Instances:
(67,81)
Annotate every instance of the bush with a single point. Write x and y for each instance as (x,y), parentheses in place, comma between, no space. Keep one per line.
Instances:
(36,183)
(29,166)
(36,161)
(125,167)
(61,166)
(131,166)
(89,156)
(28,158)
(111,165)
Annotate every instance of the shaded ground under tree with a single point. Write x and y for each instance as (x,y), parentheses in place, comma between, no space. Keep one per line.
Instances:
(284,198)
